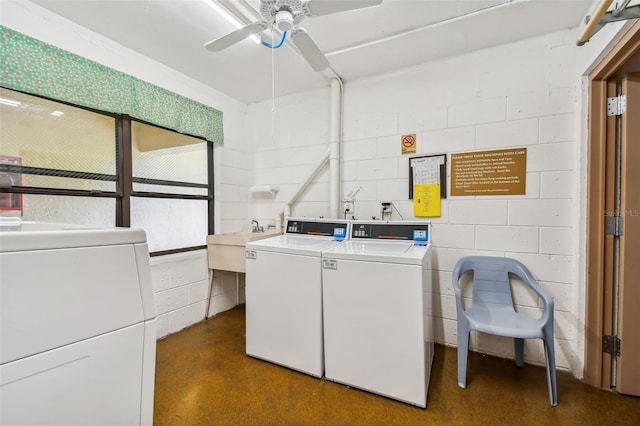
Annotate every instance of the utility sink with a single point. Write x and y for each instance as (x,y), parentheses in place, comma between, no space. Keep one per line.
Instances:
(226,251)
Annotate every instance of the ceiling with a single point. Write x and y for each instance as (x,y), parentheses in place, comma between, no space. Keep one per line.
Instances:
(358,43)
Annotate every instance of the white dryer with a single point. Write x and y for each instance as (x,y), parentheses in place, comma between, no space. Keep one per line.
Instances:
(284,293)
(77,325)
(377,334)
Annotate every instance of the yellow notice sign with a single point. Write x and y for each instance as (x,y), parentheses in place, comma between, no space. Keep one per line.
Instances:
(426,200)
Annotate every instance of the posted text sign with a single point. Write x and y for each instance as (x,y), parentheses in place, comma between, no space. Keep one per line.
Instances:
(499,172)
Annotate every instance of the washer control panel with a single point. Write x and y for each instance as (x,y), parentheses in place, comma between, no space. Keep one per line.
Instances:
(419,232)
(336,229)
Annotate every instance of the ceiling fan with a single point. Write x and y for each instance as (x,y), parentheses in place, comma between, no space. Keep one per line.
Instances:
(285,15)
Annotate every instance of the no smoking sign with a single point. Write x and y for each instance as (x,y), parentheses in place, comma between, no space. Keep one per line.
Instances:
(408,143)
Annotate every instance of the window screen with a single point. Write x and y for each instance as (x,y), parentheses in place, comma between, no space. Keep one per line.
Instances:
(170,223)
(47,144)
(168,162)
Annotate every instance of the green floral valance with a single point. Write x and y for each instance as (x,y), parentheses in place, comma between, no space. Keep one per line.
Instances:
(38,68)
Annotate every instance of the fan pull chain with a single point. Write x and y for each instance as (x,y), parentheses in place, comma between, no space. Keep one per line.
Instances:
(273,73)
(273,90)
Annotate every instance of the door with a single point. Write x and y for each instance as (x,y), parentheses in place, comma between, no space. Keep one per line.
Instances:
(628,368)
(611,179)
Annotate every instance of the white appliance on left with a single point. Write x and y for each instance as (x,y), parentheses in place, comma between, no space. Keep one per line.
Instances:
(284,293)
(77,325)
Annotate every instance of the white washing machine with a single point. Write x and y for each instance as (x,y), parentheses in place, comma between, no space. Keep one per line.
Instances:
(376,286)
(77,325)
(284,293)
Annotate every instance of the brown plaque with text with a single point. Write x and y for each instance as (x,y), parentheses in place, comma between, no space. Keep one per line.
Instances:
(499,172)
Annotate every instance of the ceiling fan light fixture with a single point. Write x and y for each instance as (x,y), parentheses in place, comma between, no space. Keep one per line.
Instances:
(284,20)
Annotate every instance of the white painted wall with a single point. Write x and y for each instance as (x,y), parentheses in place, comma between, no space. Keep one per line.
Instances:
(522,94)
(180,281)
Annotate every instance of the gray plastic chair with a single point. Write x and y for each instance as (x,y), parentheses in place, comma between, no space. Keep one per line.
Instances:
(492,311)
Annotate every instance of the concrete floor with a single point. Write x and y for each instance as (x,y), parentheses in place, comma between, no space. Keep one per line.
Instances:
(204,377)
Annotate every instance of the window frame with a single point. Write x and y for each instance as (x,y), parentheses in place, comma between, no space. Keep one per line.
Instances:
(123,176)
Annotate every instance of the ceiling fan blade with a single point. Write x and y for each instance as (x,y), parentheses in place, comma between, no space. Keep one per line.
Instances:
(236,36)
(310,50)
(326,7)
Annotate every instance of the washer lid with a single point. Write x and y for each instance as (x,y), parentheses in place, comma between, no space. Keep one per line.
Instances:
(403,252)
(295,244)
(18,235)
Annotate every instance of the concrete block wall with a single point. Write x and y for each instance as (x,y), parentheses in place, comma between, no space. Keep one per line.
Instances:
(287,145)
(232,171)
(227,291)
(233,164)
(180,285)
(523,94)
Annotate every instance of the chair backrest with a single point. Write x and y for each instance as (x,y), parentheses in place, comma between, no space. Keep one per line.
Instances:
(491,283)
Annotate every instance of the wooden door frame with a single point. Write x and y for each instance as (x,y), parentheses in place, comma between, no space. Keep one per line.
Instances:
(598,285)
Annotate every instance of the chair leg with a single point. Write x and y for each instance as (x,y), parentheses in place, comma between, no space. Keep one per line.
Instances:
(519,350)
(463,349)
(549,353)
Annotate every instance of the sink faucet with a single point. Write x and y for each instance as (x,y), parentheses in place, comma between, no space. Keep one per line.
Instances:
(256,226)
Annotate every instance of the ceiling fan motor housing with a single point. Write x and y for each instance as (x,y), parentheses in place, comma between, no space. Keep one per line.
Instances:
(284,20)
(284,14)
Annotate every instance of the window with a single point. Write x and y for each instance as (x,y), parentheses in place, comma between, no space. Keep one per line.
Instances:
(166,161)
(170,187)
(64,163)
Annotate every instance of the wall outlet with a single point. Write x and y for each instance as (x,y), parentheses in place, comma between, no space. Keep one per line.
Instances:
(386,213)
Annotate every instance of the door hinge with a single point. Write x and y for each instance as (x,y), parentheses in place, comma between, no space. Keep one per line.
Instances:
(611,345)
(614,225)
(617,105)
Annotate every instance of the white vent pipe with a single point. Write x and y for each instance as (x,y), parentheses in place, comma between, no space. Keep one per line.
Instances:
(315,172)
(332,157)
(334,148)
